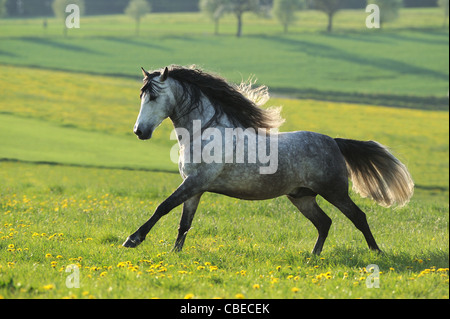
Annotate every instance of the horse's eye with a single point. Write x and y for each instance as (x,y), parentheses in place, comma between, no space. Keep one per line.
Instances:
(153,98)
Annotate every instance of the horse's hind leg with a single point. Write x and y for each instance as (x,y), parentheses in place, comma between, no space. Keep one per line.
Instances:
(357,216)
(309,208)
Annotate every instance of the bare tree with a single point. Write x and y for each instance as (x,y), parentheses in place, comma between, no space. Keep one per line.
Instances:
(239,7)
(444,5)
(389,9)
(215,9)
(284,11)
(3,11)
(137,9)
(330,7)
(59,9)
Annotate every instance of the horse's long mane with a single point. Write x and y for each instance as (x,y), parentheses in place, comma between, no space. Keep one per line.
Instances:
(241,104)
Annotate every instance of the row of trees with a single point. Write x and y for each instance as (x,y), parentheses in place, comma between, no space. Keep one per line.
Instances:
(284,10)
(43,8)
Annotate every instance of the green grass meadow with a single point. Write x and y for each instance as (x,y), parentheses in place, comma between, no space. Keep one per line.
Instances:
(75,182)
(404,64)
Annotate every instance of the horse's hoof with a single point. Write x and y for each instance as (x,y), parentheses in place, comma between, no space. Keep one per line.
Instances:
(131,243)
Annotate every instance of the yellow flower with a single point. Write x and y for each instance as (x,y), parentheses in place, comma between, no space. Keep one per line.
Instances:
(295,290)
(11,246)
(48,287)
(48,256)
(256,286)
(189,296)
(274,280)
(239,296)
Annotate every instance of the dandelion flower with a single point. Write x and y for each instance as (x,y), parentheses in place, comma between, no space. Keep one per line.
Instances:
(239,296)
(48,287)
(256,286)
(189,296)
(295,290)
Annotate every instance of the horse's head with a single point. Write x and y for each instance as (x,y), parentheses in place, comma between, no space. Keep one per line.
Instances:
(156,103)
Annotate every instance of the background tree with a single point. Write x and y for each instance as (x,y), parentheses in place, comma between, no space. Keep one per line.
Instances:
(215,9)
(3,11)
(59,9)
(284,11)
(444,5)
(239,7)
(389,9)
(137,9)
(330,7)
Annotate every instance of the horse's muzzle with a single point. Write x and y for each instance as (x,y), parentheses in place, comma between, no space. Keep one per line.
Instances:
(141,134)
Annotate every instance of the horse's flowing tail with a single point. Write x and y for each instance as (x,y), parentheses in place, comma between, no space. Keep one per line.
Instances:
(376,173)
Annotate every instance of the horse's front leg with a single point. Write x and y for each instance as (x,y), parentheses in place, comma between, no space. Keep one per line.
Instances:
(189,209)
(185,191)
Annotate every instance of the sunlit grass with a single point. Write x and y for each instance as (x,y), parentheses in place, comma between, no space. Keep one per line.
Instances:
(53,217)
(110,106)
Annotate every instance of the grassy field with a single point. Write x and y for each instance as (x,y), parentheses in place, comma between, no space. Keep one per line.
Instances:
(53,216)
(79,123)
(75,182)
(405,64)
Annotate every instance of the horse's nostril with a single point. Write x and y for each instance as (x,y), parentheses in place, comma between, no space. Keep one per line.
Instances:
(138,132)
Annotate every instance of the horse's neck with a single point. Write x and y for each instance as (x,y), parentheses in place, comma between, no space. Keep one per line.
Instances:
(186,120)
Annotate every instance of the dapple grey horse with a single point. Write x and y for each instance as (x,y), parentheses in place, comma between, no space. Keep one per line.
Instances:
(304,165)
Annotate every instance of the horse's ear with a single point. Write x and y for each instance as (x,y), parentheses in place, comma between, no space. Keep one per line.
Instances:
(164,75)
(144,73)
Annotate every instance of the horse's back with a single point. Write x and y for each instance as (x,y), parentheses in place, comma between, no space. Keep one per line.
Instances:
(314,159)
(305,160)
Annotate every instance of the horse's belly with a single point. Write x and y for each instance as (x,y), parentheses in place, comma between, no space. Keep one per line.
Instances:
(251,187)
